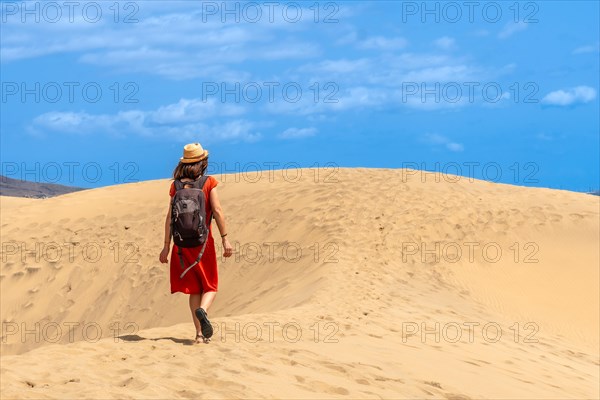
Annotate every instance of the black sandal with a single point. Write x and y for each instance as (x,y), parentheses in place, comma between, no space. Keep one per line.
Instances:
(205,326)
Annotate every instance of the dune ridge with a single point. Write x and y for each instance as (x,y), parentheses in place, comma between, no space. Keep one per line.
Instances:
(353,269)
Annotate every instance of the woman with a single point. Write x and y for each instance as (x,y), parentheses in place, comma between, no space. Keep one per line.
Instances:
(201,281)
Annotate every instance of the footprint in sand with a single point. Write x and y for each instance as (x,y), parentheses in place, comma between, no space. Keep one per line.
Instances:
(33,269)
(323,387)
(18,274)
(257,369)
(556,217)
(452,396)
(188,394)
(134,383)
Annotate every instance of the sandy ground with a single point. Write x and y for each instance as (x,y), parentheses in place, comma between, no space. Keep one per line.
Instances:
(355,283)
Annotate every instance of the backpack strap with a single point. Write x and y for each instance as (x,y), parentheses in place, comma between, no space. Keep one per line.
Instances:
(180,254)
(178,185)
(200,182)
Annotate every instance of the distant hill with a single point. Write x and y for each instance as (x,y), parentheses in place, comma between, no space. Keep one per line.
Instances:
(20,188)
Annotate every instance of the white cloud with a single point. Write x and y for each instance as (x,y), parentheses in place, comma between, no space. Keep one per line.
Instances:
(291,50)
(511,28)
(339,67)
(446,73)
(445,43)
(381,82)
(347,37)
(383,43)
(481,32)
(298,133)
(439,140)
(193,110)
(78,123)
(234,130)
(359,97)
(434,138)
(392,70)
(353,98)
(455,147)
(186,119)
(176,45)
(567,97)
(587,49)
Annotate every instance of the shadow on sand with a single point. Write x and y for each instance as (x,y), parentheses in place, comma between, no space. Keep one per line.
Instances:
(138,338)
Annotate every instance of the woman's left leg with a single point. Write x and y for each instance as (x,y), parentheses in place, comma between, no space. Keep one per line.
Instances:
(199,304)
(207,300)
(195,300)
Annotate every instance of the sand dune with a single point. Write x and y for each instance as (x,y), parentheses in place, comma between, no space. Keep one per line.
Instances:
(328,296)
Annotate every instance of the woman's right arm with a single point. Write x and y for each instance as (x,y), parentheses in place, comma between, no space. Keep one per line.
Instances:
(167,242)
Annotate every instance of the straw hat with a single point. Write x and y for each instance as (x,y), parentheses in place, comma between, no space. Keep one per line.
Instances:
(192,153)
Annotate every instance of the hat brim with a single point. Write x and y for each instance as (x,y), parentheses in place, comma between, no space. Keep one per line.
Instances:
(195,159)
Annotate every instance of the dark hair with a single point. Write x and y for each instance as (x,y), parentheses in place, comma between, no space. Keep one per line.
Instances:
(190,170)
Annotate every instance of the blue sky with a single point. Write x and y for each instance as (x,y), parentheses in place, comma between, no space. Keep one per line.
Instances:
(96,94)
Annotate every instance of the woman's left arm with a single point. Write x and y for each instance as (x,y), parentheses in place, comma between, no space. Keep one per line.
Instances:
(217,211)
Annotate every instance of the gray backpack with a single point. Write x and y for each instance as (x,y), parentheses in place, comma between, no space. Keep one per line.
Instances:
(189,225)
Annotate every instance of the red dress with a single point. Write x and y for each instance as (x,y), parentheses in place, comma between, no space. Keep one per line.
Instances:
(203,277)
